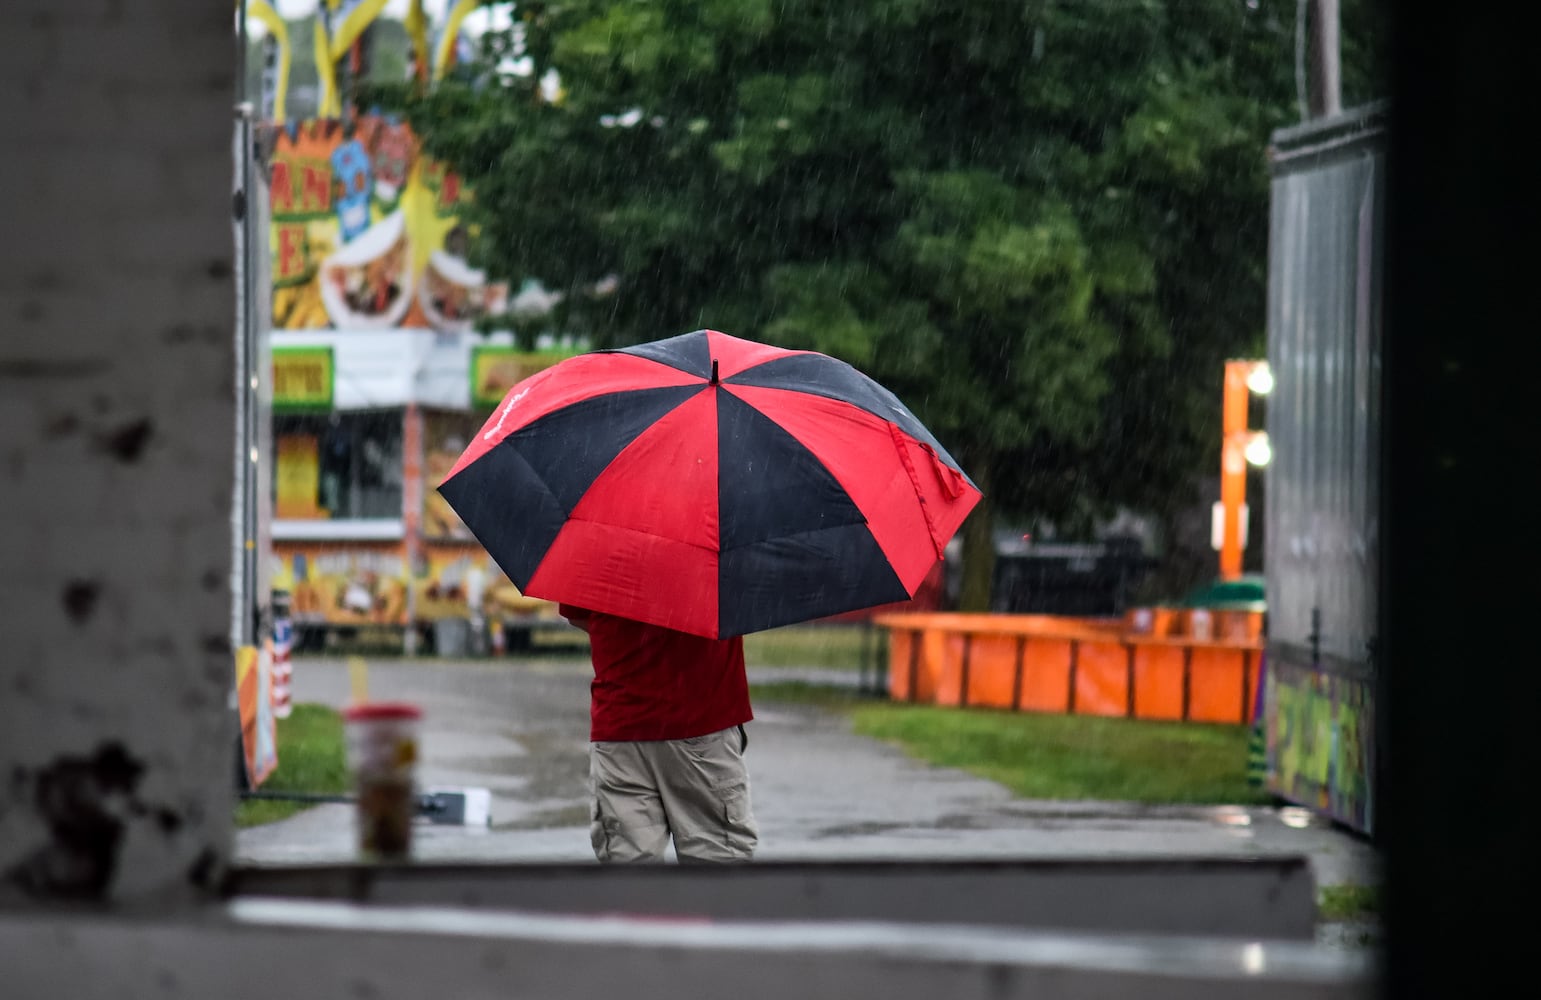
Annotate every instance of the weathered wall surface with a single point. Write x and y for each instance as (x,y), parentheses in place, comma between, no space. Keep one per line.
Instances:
(117,308)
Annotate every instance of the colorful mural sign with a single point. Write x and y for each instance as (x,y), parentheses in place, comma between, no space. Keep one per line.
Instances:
(1320,741)
(365,232)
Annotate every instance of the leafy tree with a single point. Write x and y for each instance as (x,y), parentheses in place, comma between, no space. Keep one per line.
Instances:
(1042,224)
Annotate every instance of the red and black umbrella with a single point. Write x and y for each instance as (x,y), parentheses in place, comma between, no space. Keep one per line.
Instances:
(709,484)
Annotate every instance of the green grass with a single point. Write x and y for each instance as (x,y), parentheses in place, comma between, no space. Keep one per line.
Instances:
(1055,756)
(803,693)
(311,759)
(1348,902)
(810,645)
(814,646)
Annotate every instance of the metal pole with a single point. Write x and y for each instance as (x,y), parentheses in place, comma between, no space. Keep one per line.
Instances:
(1233,467)
(268,97)
(1323,83)
(411,516)
(247,602)
(239,626)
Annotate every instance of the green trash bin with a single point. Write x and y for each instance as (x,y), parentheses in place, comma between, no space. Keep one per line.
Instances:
(1245,593)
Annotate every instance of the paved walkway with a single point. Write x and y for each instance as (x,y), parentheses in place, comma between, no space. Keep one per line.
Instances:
(519,728)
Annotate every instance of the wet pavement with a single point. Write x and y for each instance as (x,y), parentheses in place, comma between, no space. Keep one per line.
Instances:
(519,727)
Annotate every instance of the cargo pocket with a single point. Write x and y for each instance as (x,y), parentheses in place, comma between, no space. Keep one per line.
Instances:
(600,824)
(599,836)
(740,835)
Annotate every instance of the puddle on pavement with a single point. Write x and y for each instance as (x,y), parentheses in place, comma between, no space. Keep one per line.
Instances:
(511,764)
(1130,811)
(557,781)
(551,767)
(573,815)
(860,830)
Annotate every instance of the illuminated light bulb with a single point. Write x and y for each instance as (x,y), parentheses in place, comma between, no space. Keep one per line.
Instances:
(1258,451)
(1260,379)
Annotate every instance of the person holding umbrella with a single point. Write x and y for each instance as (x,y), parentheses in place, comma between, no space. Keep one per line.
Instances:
(673,497)
(667,713)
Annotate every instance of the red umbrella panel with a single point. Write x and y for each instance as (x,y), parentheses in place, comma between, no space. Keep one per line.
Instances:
(711,485)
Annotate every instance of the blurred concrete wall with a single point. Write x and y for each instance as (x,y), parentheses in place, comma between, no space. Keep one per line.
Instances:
(116,452)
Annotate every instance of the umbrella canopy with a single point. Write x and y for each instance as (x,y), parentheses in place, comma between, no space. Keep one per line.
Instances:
(711,485)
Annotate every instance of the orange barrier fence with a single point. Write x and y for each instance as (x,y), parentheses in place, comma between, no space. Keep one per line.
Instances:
(1076,666)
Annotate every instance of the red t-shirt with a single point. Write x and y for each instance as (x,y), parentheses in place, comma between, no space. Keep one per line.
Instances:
(653,683)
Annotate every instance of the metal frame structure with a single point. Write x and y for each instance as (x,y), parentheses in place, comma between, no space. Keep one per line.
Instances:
(1322,542)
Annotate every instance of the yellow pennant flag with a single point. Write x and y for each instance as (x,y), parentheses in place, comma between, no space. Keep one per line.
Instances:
(349,19)
(444,55)
(416,23)
(329,104)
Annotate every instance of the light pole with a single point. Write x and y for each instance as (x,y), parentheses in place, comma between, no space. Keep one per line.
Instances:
(1240,447)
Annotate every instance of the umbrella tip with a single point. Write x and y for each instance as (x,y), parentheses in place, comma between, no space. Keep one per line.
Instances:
(714,371)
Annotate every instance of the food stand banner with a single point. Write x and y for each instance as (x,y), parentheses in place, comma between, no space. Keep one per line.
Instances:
(453,575)
(496,369)
(297,477)
(445,436)
(259,733)
(366,583)
(365,232)
(354,583)
(304,379)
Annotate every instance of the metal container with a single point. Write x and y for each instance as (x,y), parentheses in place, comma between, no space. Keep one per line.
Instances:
(1322,548)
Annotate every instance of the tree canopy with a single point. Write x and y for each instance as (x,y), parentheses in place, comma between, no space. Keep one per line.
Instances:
(1043,225)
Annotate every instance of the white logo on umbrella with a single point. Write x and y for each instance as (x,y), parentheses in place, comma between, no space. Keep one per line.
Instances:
(507,408)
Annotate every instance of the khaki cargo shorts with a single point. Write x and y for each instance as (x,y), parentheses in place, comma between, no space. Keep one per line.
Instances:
(694,791)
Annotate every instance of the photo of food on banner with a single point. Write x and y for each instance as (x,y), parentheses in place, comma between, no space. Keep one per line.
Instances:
(366,233)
